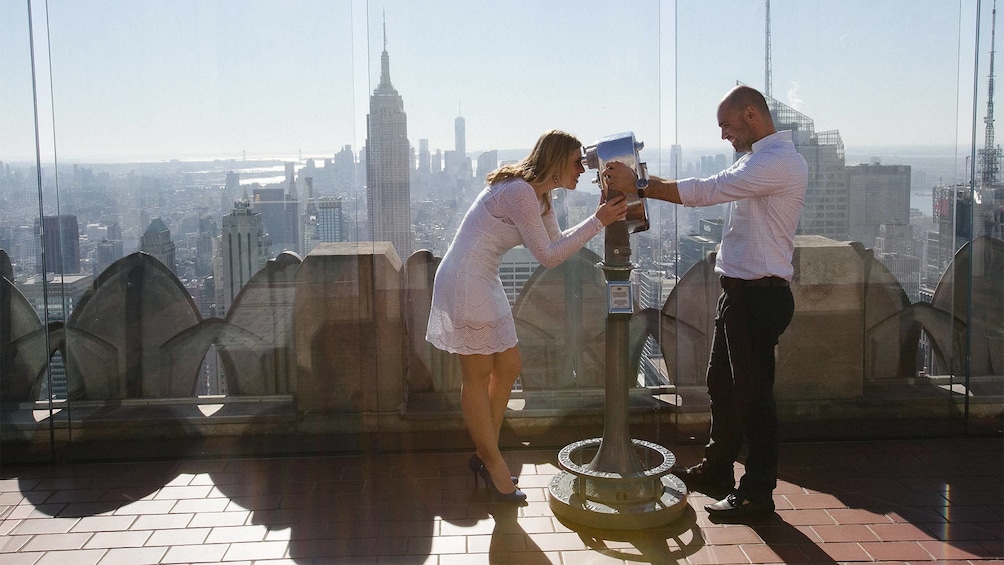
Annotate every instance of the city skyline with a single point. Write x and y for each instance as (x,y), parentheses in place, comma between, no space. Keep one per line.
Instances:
(230,80)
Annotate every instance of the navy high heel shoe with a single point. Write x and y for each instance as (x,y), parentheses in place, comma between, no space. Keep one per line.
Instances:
(477,466)
(515,497)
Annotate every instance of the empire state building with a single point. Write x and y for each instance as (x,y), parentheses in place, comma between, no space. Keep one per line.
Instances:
(388,191)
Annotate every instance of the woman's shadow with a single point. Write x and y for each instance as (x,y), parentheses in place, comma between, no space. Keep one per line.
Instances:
(510,543)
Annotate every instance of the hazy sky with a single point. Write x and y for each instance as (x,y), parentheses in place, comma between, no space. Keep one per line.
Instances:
(161,79)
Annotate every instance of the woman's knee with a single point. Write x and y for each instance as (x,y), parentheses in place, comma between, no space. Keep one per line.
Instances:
(476,369)
(508,365)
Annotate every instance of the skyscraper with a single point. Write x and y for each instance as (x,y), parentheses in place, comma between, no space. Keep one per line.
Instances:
(280,213)
(231,192)
(60,236)
(827,209)
(204,245)
(457,164)
(424,158)
(487,162)
(388,189)
(344,170)
(244,249)
(460,136)
(156,241)
(330,220)
(878,195)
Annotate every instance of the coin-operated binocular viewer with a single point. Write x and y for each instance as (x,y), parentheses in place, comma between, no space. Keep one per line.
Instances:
(627,484)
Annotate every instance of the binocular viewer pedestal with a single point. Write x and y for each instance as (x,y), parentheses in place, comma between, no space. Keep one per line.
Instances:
(627,483)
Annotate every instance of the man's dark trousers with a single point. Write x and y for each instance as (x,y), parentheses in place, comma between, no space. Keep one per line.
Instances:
(740,380)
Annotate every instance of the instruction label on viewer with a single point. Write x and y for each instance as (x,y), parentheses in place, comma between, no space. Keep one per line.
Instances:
(619,299)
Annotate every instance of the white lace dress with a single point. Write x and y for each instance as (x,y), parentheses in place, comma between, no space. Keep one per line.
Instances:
(470,313)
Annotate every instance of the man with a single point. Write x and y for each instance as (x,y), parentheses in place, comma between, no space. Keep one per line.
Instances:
(765,189)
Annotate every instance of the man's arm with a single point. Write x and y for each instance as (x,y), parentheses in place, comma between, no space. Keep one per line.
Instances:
(621,178)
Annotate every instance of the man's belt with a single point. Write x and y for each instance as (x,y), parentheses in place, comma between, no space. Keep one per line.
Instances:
(765,282)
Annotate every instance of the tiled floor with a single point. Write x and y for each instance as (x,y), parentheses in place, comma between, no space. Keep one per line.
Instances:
(888,502)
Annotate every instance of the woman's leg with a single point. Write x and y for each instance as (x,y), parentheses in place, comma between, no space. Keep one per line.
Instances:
(506,370)
(476,372)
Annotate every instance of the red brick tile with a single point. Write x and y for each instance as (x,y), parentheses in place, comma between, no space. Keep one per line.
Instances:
(162,521)
(963,532)
(196,505)
(51,542)
(785,487)
(7,525)
(16,485)
(775,553)
(844,533)
(182,480)
(236,534)
(11,544)
(468,559)
(118,539)
(340,548)
(808,501)
(557,541)
(437,545)
(730,535)
(77,495)
(496,542)
(80,557)
(974,513)
(900,532)
(217,519)
(718,555)
(103,523)
(801,517)
(195,553)
(915,515)
(575,558)
(844,551)
(44,526)
(133,556)
(254,551)
(536,525)
(27,510)
(186,536)
(146,507)
(261,502)
(786,533)
(900,550)
(180,493)
(957,550)
(995,547)
(857,516)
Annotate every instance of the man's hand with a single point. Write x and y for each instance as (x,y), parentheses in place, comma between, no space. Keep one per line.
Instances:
(620,177)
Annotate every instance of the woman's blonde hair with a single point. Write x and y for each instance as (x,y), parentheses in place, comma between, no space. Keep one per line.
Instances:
(548,158)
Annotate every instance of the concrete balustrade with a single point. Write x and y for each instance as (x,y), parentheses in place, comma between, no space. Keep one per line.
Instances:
(334,344)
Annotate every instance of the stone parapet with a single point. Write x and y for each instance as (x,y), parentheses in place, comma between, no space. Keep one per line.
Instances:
(328,354)
(349,328)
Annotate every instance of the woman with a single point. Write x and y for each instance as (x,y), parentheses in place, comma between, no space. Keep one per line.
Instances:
(470,313)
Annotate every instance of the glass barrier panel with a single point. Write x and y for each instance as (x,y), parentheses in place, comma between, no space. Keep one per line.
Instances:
(227,222)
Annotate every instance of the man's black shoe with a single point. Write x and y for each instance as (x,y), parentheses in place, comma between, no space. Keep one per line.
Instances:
(736,507)
(698,479)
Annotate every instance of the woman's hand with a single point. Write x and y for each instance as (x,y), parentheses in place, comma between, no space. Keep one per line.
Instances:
(615,208)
